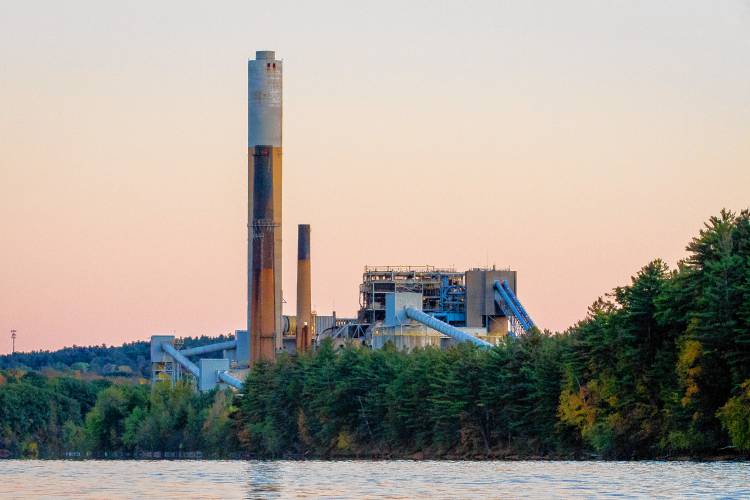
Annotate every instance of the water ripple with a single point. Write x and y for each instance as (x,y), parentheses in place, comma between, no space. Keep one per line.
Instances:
(369,479)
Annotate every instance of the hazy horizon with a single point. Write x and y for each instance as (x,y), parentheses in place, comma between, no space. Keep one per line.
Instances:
(571,142)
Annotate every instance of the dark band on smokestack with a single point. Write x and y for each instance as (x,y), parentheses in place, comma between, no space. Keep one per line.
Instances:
(304,289)
(303,242)
(263,296)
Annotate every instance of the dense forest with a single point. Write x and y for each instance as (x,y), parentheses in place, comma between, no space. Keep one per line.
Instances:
(45,417)
(658,368)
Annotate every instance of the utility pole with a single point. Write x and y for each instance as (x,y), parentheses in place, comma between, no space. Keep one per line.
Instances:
(13,341)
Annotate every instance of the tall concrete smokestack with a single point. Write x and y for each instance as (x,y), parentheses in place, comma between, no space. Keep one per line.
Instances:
(264,113)
(304,302)
(264,272)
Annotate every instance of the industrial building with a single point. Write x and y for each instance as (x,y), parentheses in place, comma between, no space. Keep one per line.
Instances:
(457,298)
(408,307)
(472,301)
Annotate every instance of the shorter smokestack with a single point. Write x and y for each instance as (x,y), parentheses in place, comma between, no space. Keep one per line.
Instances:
(304,289)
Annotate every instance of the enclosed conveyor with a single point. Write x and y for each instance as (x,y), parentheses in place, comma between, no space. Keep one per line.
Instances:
(181,359)
(511,307)
(234,382)
(444,328)
(204,349)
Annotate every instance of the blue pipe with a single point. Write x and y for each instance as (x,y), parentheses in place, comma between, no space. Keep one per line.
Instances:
(234,382)
(505,298)
(444,328)
(220,346)
(519,306)
(510,305)
(181,359)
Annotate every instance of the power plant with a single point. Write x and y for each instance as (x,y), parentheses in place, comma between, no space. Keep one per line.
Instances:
(406,306)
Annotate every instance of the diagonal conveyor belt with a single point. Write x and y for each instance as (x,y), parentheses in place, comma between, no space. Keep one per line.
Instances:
(443,327)
(511,306)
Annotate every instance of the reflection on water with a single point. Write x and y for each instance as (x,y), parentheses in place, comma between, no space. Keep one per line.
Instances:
(263,479)
(392,479)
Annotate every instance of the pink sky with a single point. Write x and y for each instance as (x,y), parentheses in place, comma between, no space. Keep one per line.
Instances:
(573,142)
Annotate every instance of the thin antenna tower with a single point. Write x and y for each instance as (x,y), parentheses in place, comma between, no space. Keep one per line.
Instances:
(13,341)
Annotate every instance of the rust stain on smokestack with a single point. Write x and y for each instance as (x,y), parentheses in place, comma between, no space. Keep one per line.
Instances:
(304,289)
(263,293)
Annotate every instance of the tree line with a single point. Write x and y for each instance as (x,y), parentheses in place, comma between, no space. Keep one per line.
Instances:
(658,368)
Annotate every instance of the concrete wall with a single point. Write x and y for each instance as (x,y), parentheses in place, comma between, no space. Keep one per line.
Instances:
(264,99)
(243,347)
(157,354)
(394,306)
(480,296)
(208,373)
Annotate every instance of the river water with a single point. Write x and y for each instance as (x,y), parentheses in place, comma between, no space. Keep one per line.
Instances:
(392,479)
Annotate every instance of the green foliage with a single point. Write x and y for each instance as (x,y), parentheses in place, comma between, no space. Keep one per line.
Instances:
(161,418)
(105,423)
(648,370)
(735,417)
(36,416)
(362,402)
(47,416)
(218,426)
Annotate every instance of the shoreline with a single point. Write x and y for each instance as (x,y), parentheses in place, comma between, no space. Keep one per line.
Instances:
(195,456)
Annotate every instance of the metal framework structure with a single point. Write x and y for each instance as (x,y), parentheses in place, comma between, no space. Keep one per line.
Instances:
(351,330)
(443,291)
(165,371)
